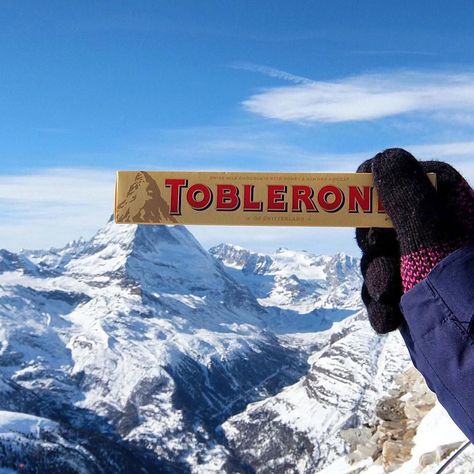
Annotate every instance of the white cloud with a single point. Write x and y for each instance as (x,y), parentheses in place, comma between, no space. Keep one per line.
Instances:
(367,97)
(51,207)
(458,154)
(446,150)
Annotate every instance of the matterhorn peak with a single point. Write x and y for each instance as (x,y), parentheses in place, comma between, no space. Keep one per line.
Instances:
(114,246)
(157,260)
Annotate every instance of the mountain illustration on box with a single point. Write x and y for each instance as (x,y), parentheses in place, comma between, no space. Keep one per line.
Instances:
(143,202)
(140,351)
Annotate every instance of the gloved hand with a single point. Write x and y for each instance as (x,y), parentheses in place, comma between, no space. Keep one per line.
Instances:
(429,224)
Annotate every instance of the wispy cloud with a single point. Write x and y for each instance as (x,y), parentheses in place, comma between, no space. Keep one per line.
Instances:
(243,147)
(452,150)
(367,97)
(458,154)
(271,72)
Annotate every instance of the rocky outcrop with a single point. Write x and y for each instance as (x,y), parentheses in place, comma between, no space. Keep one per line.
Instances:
(438,455)
(388,440)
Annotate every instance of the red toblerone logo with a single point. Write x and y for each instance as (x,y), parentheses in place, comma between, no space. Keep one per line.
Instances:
(226,197)
(295,199)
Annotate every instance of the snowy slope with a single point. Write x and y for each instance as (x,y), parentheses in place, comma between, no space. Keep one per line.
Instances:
(302,293)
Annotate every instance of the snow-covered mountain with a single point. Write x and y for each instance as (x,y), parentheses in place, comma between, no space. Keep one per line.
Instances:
(298,430)
(303,293)
(295,280)
(144,332)
(140,351)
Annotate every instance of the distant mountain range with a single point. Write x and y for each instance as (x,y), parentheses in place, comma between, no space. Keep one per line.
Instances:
(140,351)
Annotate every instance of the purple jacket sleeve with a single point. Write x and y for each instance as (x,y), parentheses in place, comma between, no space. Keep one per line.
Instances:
(439,333)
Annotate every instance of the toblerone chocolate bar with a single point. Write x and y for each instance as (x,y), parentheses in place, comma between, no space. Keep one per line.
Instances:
(254,199)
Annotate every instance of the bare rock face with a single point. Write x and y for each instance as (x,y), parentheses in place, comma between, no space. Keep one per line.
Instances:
(389,440)
(395,453)
(362,443)
(390,409)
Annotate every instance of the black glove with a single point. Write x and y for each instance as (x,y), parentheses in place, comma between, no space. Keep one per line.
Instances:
(429,224)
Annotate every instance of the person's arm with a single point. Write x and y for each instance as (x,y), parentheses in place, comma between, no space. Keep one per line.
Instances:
(419,277)
(438,329)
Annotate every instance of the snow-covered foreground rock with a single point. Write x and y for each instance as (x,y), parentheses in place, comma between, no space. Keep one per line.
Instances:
(139,351)
(410,433)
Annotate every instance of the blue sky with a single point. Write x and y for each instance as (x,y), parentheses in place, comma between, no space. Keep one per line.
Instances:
(90,87)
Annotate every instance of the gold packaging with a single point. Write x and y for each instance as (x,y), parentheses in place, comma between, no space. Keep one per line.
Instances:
(253,199)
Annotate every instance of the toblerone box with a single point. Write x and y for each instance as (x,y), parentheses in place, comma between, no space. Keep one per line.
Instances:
(254,199)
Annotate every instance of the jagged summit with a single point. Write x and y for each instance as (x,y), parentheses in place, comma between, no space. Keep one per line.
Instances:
(158,259)
(136,236)
(112,242)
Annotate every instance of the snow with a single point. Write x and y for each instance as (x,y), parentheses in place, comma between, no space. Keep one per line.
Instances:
(65,283)
(12,422)
(341,466)
(346,377)
(436,429)
(295,281)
